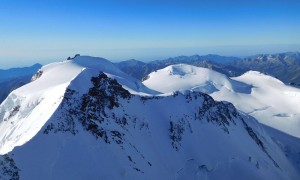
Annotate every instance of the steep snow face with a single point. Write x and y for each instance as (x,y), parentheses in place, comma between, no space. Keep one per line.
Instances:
(262,96)
(104,131)
(27,109)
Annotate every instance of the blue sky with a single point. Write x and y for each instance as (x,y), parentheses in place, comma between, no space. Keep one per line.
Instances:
(51,30)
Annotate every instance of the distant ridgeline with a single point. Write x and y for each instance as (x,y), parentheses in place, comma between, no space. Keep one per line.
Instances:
(14,78)
(284,66)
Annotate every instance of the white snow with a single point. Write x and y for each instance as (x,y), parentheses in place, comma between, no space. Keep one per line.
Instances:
(266,98)
(205,150)
(39,99)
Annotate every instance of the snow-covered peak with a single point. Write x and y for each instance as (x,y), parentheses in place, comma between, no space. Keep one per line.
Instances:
(181,69)
(266,98)
(86,124)
(97,63)
(182,77)
(50,76)
(259,77)
(27,109)
(62,73)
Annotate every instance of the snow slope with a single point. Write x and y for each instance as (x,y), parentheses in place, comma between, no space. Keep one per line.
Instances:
(85,119)
(187,77)
(267,99)
(35,102)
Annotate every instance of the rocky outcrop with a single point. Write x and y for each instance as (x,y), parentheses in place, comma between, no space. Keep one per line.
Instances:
(8,168)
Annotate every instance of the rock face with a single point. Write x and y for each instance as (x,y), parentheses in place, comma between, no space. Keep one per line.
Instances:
(8,168)
(37,75)
(284,66)
(100,130)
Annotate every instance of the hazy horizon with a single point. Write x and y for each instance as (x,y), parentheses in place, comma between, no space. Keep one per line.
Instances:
(17,64)
(46,31)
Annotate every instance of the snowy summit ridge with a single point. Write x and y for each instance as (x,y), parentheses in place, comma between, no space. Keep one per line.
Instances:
(86,119)
(253,93)
(187,77)
(31,102)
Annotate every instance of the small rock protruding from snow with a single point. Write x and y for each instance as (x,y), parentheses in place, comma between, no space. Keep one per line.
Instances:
(36,76)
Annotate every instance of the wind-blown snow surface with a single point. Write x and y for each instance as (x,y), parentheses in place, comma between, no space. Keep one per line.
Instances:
(267,99)
(75,122)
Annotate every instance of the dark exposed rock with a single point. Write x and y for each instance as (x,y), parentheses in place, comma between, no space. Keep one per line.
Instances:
(175,133)
(8,168)
(105,93)
(14,111)
(254,136)
(149,98)
(66,120)
(220,113)
(95,112)
(91,109)
(37,75)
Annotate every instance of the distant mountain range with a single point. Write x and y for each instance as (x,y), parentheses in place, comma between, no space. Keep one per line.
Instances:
(139,69)
(14,78)
(284,66)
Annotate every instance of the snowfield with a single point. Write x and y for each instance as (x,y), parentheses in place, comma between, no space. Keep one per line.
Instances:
(85,119)
(266,98)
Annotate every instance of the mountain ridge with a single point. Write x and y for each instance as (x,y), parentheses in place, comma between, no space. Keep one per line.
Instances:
(99,122)
(252,92)
(287,70)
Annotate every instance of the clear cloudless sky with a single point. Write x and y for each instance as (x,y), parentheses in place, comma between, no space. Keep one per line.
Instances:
(51,30)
